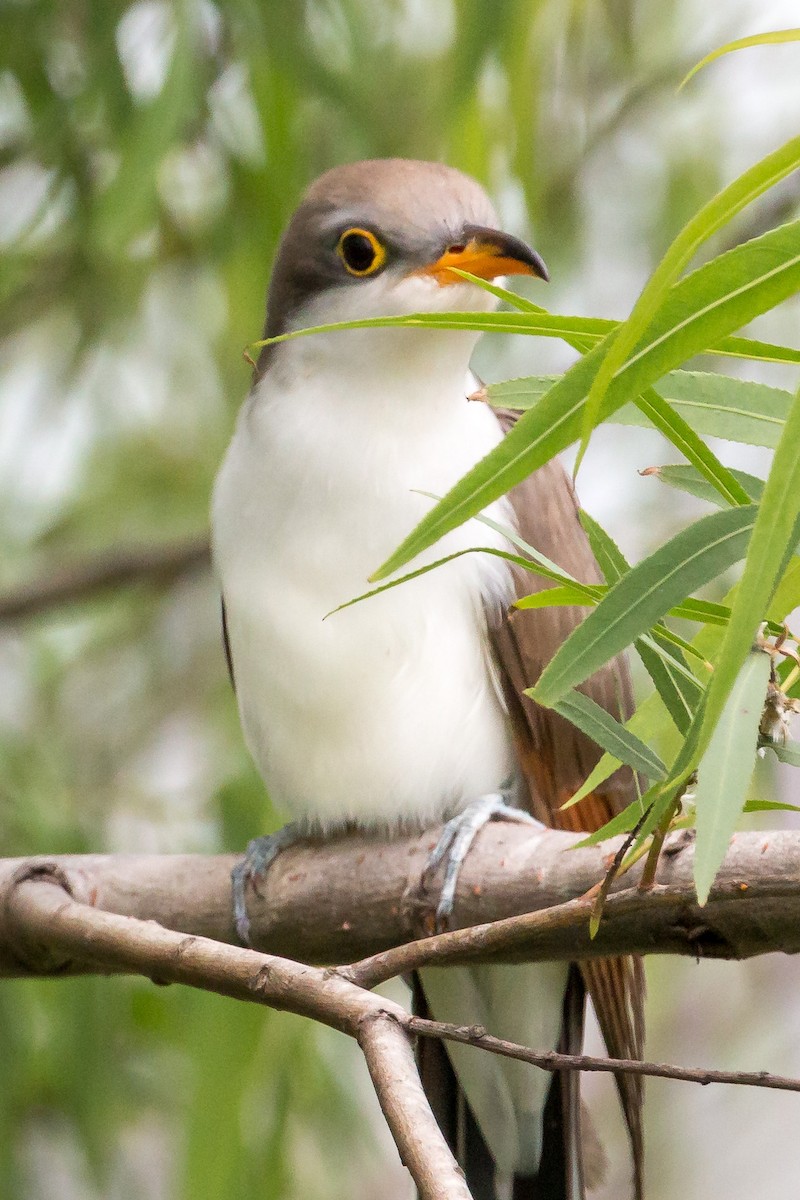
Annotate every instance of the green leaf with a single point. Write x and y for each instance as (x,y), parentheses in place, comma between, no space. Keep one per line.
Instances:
(711,217)
(552,597)
(770,806)
(689,479)
(520,394)
(787,752)
(664,662)
(536,324)
(739,347)
(725,769)
(787,594)
(756,39)
(537,567)
(614,565)
(683,437)
(719,406)
(645,594)
(704,611)
(674,639)
(609,734)
(550,570)
(774,535)
(610,559)
(679,690)
(621,822)
(720,296)
(770,555)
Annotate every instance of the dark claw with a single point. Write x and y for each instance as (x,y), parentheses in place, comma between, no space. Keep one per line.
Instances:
(457,837)
(260,855)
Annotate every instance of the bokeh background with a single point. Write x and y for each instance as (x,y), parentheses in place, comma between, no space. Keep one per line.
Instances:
(150,153)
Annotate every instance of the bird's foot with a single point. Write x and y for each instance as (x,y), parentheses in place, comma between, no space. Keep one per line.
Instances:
(259,857)
(457,837)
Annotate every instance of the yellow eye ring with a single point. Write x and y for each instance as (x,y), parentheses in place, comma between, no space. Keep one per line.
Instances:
(361,252)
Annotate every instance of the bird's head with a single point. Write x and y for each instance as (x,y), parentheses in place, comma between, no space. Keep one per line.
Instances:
(382,237)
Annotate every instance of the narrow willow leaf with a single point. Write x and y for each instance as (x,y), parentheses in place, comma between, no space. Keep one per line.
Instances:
(739,347)
(770,806)
(621,822)
(719,406)
(677,687)
(713,405)
(676,653)
(704,611)
(729,347)
(642,815)
(609,734)
(787,594)
(773,37)
(522,303)
(675,684)
(688,648)
(607,765)
(711,217)
(787,752)
(645,594)
(536,568)
(550,570)
(554,596)
(610,559)
(673,426)
(725,769)
(774,536)
(689,480)
(520,394)
(650,722)
(538,324)
(717,298)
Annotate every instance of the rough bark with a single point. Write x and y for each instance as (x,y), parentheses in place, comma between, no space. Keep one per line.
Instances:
(342,901)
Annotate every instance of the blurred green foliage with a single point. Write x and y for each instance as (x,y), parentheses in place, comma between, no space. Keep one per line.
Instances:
(150,154)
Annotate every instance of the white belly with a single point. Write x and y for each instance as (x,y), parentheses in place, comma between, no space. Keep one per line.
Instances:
(386,712)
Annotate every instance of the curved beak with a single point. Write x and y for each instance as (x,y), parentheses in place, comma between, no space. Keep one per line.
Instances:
(486,253)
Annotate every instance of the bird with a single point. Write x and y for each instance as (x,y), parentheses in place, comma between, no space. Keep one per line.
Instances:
(407,710)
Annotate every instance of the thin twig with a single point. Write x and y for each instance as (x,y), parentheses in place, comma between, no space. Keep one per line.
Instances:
(551,1060)
(476,942)
(149,564)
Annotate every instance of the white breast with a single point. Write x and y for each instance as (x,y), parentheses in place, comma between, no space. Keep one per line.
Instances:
(387,711)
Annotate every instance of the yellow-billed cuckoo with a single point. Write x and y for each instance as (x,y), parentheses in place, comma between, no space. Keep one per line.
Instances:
(407,709)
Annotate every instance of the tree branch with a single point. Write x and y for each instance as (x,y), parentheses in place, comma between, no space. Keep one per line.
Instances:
(385,1043)
(373,903)
(47,929)
(154,565)
(49,924)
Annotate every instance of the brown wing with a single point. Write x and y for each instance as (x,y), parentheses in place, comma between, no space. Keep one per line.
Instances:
(555,757)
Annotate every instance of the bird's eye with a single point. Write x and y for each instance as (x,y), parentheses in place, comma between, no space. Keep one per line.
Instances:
(361,252)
